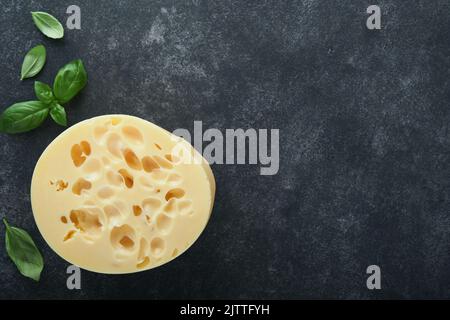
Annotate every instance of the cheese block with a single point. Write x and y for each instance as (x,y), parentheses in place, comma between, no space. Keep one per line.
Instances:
(118,194)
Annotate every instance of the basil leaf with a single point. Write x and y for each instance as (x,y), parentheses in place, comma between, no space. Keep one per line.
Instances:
(58,114)
(69,81)
(33,62)
(23,252)
(48,25)
(43,92)
(23,116)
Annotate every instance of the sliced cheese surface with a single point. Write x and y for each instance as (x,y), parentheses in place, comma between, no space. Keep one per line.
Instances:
(110,195)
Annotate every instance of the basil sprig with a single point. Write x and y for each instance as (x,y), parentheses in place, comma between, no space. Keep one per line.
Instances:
(58,114)
(33,62)
(23,252)
(69,81)
(48,25)
(43,92)
(25,116)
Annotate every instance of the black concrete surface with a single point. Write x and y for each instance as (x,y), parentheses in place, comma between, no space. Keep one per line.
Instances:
(363,115)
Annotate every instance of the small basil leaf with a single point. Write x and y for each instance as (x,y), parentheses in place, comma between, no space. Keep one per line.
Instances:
(23,252)
(69,81)
(23,116)
(58,114)
(33,62)
(48,25)
(43,92)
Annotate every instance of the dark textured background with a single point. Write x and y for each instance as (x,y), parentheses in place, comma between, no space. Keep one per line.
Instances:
(365,142)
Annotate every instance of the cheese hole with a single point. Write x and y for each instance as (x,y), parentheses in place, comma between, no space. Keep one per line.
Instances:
(105,192)
(131,159)
(149,164)
(61,185)
(157,246)
(145,182)
(172,158)
(122,237)
(174,179)
(158,146)
(63,219)
(159,176)
(143,263)
(85,221)
(175,193)
(137,210)
(120,205)
(114,144)
(115,121)
(80,185)
(69,235)
(112,214)
(126,242)
(114,178)
(99,132)
(143,249)
(133,134)
(143,259)
(174,252)
(185,207)
(171,207)
(148,219)
(77,155)
(163,223)
(151,205)
(163,162)
(127,177)
(92,168)
(86,147)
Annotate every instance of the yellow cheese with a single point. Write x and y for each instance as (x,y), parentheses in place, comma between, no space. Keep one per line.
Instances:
(110,196)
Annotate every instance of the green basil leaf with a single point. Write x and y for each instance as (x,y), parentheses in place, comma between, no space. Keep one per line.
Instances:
(23,252)
(69,81)
(23,116)
(43,92)
(33,62)
(58,114)
(48,25)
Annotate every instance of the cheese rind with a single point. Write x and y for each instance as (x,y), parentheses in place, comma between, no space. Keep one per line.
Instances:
(110,196)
